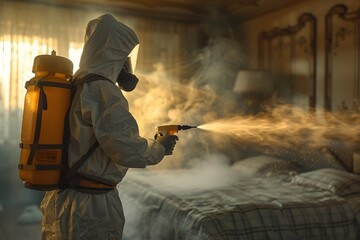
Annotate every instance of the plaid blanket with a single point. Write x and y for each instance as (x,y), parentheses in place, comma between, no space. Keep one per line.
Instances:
(250,208)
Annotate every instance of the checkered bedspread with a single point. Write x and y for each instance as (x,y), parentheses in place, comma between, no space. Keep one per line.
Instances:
(251,208)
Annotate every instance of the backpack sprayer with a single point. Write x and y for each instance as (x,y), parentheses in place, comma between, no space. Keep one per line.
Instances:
(46,104)
(171,129)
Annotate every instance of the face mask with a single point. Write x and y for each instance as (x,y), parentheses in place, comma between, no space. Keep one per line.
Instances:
(127,81)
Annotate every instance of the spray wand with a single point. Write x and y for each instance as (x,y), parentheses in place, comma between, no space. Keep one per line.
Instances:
(171,129)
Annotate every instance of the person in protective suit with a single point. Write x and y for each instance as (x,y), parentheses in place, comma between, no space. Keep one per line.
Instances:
(100,113)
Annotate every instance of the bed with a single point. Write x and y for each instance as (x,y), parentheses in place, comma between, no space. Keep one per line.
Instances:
(259,198)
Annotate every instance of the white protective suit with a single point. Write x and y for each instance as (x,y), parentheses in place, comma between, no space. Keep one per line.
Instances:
(99,112)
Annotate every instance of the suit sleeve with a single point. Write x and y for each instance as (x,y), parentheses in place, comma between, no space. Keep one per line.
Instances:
(115,128)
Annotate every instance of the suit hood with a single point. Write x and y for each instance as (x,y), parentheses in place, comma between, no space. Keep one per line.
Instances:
(108,43)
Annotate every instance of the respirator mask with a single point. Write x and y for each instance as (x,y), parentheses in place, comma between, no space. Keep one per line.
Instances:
(126,79)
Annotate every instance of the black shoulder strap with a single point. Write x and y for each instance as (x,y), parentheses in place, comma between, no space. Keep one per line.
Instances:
(90,78)
(68,176)
(65,150)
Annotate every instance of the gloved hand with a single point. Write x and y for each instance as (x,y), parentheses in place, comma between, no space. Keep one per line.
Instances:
(168,142)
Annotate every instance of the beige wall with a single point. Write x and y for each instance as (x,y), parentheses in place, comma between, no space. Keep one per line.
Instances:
(289,16)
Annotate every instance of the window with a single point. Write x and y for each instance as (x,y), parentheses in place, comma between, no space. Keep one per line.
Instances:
(17,55)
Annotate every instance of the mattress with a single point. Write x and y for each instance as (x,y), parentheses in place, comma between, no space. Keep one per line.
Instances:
(322,204)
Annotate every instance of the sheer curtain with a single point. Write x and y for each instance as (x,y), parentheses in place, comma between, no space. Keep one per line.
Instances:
(29,29)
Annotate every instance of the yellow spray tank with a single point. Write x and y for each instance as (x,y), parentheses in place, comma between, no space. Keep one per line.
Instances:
(47,102)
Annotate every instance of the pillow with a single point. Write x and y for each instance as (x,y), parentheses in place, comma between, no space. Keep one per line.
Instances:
(339,182)
(308,159)
(343,150)
(263,165)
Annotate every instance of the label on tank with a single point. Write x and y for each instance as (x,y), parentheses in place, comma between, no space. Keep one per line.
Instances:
(46,156)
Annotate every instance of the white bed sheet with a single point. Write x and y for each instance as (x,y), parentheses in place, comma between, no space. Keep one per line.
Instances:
(248,208)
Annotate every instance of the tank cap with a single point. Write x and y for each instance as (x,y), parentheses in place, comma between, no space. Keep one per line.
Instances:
(52,64)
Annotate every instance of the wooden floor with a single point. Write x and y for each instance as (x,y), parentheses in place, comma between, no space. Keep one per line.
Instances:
(11,230)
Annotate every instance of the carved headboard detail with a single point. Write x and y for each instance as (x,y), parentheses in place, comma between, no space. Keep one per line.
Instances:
(290,55)
(342,59)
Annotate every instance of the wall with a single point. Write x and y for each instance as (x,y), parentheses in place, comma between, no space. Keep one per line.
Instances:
(289,16)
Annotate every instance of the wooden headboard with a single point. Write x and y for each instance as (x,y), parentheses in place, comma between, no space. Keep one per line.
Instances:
(342,83)
(289,53)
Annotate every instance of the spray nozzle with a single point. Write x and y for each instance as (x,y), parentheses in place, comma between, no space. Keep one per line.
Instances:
(185,127)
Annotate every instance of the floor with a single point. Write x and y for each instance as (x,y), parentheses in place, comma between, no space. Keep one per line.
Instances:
(10,229)
(15,198)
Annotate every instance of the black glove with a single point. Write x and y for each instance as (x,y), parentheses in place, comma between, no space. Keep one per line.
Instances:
(168,142)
